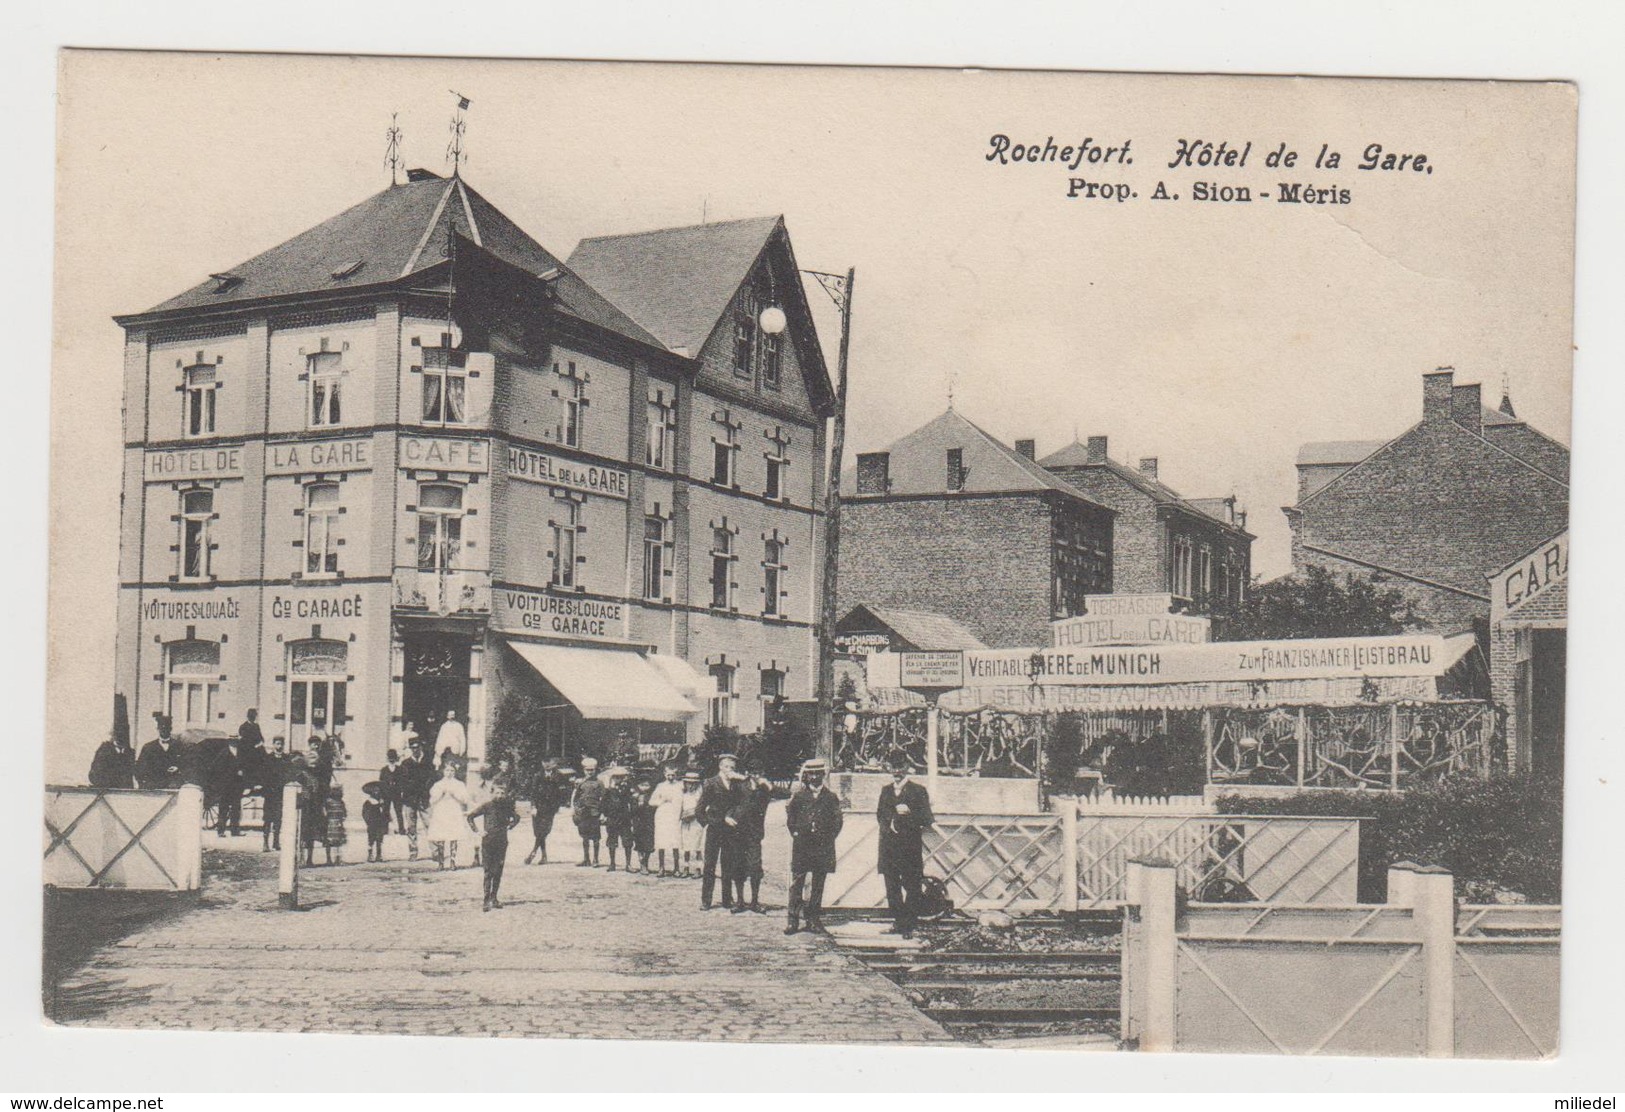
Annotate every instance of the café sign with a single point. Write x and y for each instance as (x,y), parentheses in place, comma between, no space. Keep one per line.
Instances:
(589,478)
(561,615)
(223,462)
(435,453)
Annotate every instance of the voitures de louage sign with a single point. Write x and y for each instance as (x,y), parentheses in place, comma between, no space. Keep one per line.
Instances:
(536,612)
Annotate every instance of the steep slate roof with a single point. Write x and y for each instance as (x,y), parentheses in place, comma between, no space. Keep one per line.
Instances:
(924,629)
(675,282)
(392,235)
(918,463)
(1076,454)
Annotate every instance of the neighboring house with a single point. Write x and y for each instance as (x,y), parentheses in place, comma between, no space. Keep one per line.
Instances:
(1436,510)
(1198,549)
(950,521)
(869,629)
(410,459)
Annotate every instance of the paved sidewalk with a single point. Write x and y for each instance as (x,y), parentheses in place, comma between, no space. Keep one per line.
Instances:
(401,948)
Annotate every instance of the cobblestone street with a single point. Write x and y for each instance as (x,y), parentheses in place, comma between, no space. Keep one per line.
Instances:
(401,948)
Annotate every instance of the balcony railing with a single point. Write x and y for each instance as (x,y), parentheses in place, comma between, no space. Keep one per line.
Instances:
(442,592)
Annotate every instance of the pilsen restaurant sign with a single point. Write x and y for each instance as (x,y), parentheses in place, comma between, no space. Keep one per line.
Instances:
(1223,661)
(538,467)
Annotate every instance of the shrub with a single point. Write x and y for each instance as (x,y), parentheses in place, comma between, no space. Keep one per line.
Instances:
(1502,834)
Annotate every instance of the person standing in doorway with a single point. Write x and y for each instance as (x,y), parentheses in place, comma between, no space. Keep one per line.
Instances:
(718,797)
(814,817)
(452,736)
(500,816)
(903,814)
(587,812)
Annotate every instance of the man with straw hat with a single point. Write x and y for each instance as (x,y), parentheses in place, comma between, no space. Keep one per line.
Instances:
(814,817)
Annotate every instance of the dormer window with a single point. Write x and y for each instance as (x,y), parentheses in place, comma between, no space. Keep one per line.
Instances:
(745,326)
(956,469)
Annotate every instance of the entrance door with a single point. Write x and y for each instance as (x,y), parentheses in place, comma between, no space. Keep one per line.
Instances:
(435,681)
(1547,687)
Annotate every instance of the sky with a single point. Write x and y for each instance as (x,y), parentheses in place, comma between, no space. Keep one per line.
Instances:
(1216,337)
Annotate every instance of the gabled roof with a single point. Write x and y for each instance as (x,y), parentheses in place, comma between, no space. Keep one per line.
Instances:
(918,463)
(925,630)
(1076,455)
(393,235)
(675,282)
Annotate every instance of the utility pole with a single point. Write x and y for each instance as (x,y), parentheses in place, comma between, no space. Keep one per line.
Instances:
(832,527)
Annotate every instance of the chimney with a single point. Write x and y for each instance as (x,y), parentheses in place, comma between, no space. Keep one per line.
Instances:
(1148,467)
(418,173)
(1436,390)
(1241,519)
(874,472)
(1467,407)
(1096,451)
(1027,449)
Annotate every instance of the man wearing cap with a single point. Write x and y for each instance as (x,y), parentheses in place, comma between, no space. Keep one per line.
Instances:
(416,777)
(814,817)
(903,813)
(587,811)
(719,796)
(546,797)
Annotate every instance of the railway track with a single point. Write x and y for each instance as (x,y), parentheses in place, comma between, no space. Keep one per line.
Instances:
(988,996)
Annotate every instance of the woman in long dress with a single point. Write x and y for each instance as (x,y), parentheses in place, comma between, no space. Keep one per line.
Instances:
(449,804)
(692,831)
(667,801)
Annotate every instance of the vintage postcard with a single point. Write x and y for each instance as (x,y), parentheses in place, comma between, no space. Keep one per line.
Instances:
(857,555)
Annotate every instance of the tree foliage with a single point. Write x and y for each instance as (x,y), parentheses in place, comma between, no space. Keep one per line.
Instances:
(1317,602)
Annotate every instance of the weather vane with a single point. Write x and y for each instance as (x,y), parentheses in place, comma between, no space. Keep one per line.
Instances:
(454,150)
(392,156)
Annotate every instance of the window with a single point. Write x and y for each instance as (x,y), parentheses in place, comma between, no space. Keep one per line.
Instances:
(440,526)
(722,703)
(1082,560)
(774,487)
(956,469)
(654,558)
(770,360)
(193,682)
(197,511)
(772,576)
(445,386)
(317,689)
(321,515)
(745,334)
(565,525)
(722,569)
(1204,572)
(200,386)
(572,405)
(772,685)
(326,376)
(661,449)
(1181,571)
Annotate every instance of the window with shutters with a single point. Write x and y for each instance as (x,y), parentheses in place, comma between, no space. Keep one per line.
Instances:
(200,386)
(197,512)
(321,518)
(440,526)
(326,373)
(773,570)
(566,525)
(722,561)
(654,558)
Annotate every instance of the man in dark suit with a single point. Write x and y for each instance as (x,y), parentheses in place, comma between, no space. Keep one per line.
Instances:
(903,813)
(718,797)
(228,776)
(113,766)
(249,733)
(814,817)
(162,763)
(391,788)
(273,776)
